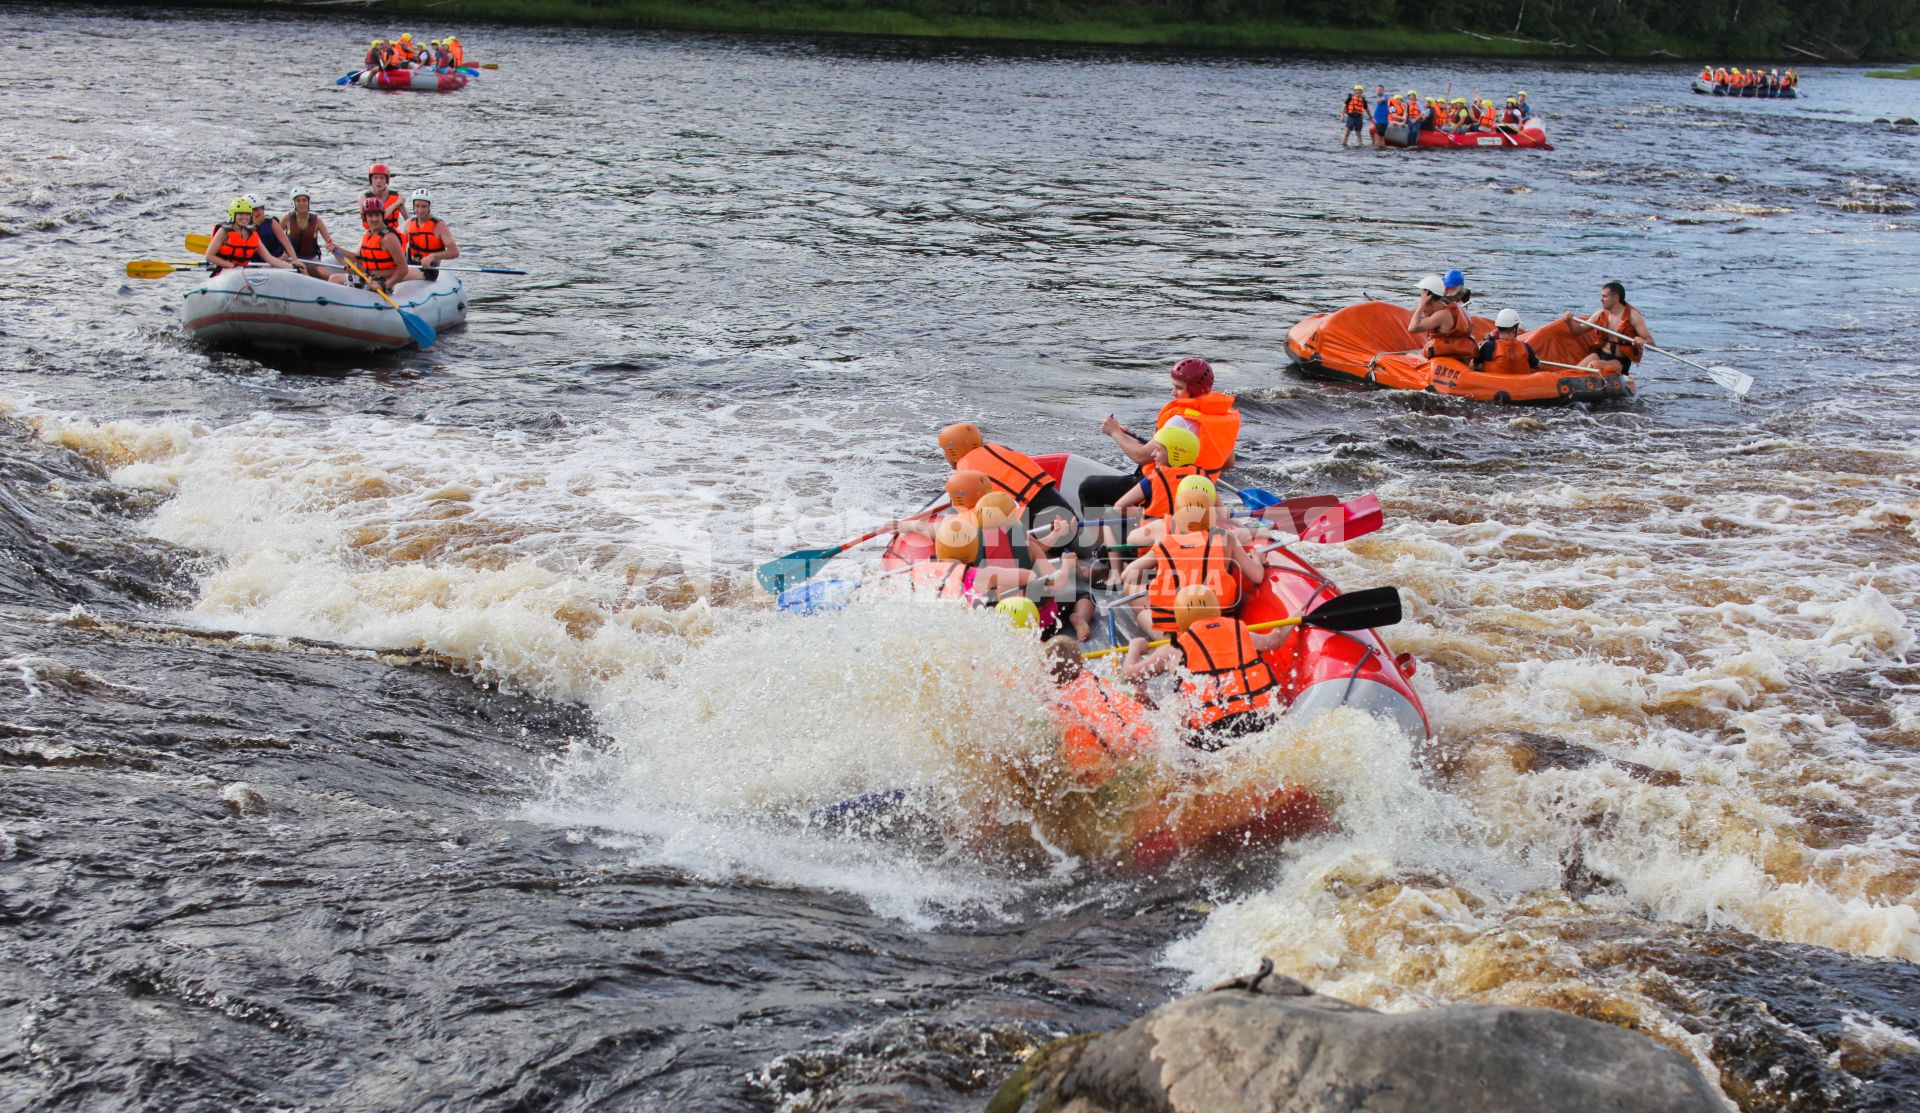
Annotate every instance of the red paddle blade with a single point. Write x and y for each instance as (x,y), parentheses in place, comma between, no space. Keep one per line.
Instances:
(1345,522)
(1297,514)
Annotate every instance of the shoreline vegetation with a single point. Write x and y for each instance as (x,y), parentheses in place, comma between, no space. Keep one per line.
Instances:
(1911,73)
(1674,29)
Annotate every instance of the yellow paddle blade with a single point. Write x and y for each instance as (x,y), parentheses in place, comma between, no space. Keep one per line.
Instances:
(198,244)
(154,268)
(487,65)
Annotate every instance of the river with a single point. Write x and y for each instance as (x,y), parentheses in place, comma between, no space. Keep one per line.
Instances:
(407,732)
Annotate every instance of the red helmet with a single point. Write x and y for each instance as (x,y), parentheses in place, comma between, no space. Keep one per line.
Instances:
(379,168)
(1196,373)
(370,206)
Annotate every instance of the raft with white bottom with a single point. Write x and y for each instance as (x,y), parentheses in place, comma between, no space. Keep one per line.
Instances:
(273,308)
(420,81)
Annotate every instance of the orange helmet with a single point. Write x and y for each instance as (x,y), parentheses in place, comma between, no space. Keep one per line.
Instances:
(957,539)
(995,509)
(958,439)
(1188,518)
(1194,603)
(966,487)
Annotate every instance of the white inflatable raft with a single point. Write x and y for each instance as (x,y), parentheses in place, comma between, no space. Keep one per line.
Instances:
(282,309)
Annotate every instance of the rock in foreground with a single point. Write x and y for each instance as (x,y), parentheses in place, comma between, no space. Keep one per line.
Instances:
(1272,1045)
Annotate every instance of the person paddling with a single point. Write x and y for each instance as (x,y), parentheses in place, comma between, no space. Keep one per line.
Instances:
(1503,352)
(457,54)
(1354,109)
(1442,322)
(391,207)
(1192,552)
(306,231)
(429,239)
(237,243)
(1052,518)
(1211,414)
(1231,690)
(1611,353)
(382,256)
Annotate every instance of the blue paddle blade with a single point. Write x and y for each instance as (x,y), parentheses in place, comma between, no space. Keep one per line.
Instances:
(821,595)
(498,270)
(1257,500)
(418,328)
(348,79)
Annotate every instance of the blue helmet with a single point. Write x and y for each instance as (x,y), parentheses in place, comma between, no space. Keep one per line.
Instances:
(1455,278)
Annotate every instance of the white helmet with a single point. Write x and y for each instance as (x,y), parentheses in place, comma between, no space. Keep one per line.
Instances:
(421,195)
(1508,318)
(255,200)
(1432,285)
(299,192)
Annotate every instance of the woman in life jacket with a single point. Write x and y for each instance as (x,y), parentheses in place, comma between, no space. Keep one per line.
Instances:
(376,55)
(306,232)
(1229,690)
(1510,117)
(381,255)
(1503,352)
(237,243)
(1609,353)
(1444,323)
(429,239)
(1102,728)
(391,207)
(1353,111)
(1192,552)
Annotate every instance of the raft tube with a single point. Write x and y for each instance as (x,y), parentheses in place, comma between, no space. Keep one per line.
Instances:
(1709,89)
(1369,343)
(273,308)
(1317,669)
(420,81)
(1530,135)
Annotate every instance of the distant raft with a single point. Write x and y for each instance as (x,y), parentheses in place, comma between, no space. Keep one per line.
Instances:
(1369,343)
(272,308)
(420,81)
(1709,89)
(1530,135)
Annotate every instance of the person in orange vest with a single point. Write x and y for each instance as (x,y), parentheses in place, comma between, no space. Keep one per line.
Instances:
(407,52)
(1437,114)
(1416,118)
(1173,451)
(1192,552)
(1354,110)
(1488,120)
(1101,727)
(381,255)
(1210,414)
(1609,353)
(1230,690)
(1194,490)
(457,53)
(237,242)
(1448,330)
(1706,74)
(1503,352)
(391,207)
(1050,516)
(429,239)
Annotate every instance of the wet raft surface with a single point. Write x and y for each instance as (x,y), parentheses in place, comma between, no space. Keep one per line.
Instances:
(553,853)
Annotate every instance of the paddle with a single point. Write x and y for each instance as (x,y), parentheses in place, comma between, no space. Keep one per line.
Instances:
(197,242)
(1739,382)
(156,268)
(776,575)
(1356,610)
(350,78)
(419,330)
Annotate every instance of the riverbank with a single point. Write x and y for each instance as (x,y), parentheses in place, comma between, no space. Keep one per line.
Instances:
(1911,73)
(1103,24)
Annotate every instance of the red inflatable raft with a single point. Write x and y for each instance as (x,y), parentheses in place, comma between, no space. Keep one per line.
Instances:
(420,81)
(1317,669)
(1369,343)
(1529,136)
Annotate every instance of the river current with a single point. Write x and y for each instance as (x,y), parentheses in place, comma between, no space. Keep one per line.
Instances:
(407,732)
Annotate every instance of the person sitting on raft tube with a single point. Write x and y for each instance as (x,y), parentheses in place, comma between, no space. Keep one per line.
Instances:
(273,239)
(237,243)
(1354,110)
(1382,116)
(394,209)
(306,231)
(1194,490)
(429,239)
(1172,455)
(1503,352)
(1510,116)
(1460,116)
(1609,353)
(1448,330)
(455,52)
(1230,690)
(1526,110)
(1210,413)
(1009,556)
(1101,727)
(376,55)
(382,256)
(1192,552)
(1049,516)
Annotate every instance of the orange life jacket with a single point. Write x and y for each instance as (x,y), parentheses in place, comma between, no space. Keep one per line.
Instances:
(1185,559)
(1010,471)
(1439,114)
(1706,73)
(1509,358)
(1099,724)
(1607,345)
(391,205)
(944,579)
(1162,485)
(1455,338)
(1356,105)
(376,57)
(458,52)
(242,246)
(1488,118)
(423,239)
(1228,675)
(375,259)
(1217,421)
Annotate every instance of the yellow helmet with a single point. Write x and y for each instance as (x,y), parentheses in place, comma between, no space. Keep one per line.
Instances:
(237,206)
(1020,611)
(1182,446)
(1194,603)
(407,38)
(1199,483)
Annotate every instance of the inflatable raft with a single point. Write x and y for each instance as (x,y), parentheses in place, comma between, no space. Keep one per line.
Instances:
(1709,89)
(1529,135)
(1369,342)
(420,81)
(272,308)
(1317,669)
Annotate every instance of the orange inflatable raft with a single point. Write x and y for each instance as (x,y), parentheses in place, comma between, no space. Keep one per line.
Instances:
(1369,343)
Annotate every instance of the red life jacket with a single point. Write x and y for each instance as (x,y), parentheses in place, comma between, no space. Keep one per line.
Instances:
(1216,421)
(241,247)
(1356,105)
(391,205)
(1162,485)
(1229,676)
(1608,346)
